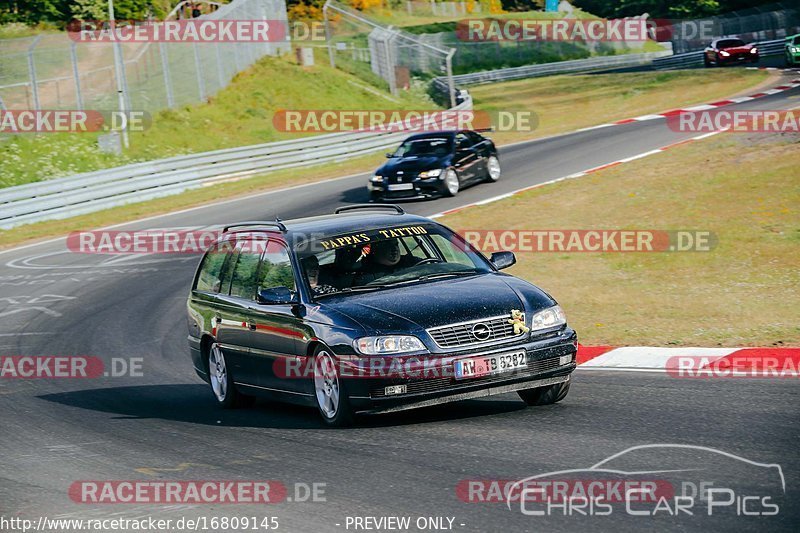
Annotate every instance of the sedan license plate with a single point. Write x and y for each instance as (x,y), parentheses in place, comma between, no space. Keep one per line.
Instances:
(486,365)
(401,186)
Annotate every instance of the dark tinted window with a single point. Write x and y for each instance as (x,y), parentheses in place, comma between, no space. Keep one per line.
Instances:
(474,137)
(797,40)
(208,279)
(426,146)
(729,43)
(276,268)
(227,272)
(245,274)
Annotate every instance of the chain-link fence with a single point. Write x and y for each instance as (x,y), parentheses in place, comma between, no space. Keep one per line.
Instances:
(53,71)
(383,55)
(760,23)
(442,9)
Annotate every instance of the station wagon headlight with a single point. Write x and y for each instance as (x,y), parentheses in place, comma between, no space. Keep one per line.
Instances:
(388,345)
(431,173)
(548,318)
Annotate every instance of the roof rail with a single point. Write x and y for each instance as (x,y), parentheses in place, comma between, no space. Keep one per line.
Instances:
(396,208)
(276,224)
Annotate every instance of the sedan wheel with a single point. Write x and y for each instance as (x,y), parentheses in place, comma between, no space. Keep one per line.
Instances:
(328,390)
(218,373)
(493,166)
(222,383)
(451,182)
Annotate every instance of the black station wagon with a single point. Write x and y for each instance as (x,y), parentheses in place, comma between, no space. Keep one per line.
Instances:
(370,311)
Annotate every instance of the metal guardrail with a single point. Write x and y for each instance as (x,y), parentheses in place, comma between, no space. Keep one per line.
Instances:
(94,191)
(558,67)
(695,59)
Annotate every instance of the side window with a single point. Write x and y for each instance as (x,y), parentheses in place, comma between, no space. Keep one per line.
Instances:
(276,268)
(227,272)
(474,138)
(451,251)
(462,141)
(208,280)
(245,273)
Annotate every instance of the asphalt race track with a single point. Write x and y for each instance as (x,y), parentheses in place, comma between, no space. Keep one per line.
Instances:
(165,425)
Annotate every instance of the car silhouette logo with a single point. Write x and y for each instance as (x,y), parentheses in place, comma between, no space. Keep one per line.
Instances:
(481,331)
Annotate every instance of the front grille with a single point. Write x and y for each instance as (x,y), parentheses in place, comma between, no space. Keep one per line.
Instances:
(449,383)
(461,334)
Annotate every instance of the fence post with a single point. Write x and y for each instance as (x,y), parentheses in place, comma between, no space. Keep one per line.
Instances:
(76,74)
(220,73)
(162,48)
(328,34)
(201,86)
(32,74)
(450,83)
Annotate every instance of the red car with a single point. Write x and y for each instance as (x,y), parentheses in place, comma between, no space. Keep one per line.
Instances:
(728,51)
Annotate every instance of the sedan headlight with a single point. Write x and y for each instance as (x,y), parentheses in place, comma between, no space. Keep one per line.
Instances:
(723,53)
(795,49)
(388,345)
(377,177)
(548,318)
(431,173)
(754,50)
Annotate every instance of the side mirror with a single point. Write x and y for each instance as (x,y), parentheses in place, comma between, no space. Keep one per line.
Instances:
(502,260)
(389,155)
(276,295)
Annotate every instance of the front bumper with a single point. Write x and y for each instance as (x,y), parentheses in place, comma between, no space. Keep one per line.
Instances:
(738,58)
(549,361)
(420,189)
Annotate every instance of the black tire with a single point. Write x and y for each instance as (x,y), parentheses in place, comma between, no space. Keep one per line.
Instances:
(334,414)
(452,183)
(492,160)
(706,62)
(222,384)
(545,395)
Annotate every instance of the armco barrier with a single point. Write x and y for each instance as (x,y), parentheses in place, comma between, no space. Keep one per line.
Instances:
(695,59)
(94,191)
(558,67)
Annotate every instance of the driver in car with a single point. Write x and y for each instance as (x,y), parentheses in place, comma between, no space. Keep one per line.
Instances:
(383,258)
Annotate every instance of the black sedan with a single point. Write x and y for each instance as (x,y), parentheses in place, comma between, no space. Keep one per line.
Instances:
(728,51)
(435,164)
(363,311)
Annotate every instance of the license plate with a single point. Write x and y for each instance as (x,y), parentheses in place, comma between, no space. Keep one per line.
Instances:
(401,186)
(487,365)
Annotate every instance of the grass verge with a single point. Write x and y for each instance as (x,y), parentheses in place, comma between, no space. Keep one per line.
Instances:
(745,292)
(568,103)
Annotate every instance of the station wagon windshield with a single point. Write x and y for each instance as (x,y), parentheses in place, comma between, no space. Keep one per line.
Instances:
(387,257)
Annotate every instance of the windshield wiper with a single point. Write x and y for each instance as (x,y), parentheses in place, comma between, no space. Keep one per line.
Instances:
(348,290)
(445,275)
